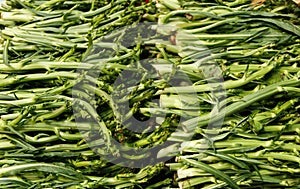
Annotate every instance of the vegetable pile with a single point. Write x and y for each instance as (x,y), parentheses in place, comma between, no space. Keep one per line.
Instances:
(234,124)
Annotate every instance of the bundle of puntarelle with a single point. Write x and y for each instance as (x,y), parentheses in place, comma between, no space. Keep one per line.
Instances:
(42,45)
(257,48)
(44,42)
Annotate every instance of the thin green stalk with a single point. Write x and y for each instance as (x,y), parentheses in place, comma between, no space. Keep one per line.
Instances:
(228,84)
(52,114)
(6,80)
(40,167)
(166,18)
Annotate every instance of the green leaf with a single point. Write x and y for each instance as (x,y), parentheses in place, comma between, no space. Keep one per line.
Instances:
(211,170)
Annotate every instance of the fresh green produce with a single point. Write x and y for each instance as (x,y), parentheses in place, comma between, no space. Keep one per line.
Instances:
(244,153)
(247,137)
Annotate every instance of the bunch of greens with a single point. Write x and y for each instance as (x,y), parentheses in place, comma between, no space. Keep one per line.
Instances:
(45,43)
(258,50)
